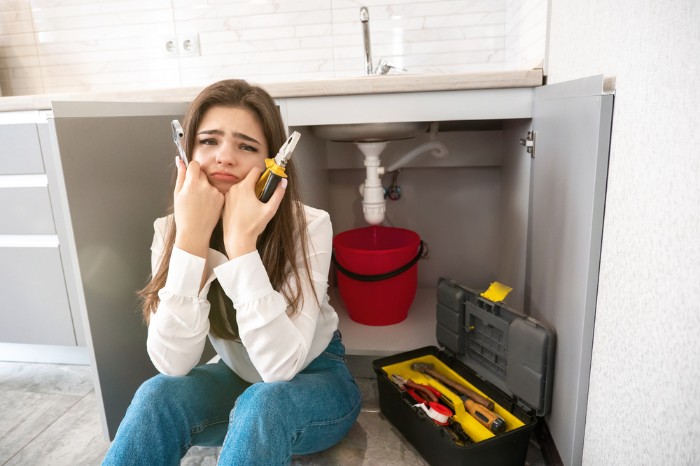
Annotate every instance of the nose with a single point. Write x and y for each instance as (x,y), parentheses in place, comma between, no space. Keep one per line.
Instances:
(226,155)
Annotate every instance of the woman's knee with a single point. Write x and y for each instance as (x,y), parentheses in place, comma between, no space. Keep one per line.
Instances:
(159,391)
(263,398)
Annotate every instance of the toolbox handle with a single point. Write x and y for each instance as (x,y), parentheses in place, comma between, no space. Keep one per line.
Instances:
(381,276)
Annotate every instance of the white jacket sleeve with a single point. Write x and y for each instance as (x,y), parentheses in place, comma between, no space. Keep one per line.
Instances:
(178,329)
(278,344)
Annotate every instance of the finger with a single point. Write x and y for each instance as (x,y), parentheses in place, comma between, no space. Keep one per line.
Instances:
(181,171)
(276,198)
(253,175)
(193,171)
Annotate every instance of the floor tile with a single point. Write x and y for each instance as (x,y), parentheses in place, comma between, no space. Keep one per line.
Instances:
(46,378)
(25,415)
(370,395)
(74,439)
(201,456)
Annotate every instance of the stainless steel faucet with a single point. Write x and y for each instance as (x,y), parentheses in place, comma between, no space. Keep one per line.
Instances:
(364,17)
(382,67)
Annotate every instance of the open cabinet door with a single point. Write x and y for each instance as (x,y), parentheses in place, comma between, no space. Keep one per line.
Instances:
(572,124)
(114,165)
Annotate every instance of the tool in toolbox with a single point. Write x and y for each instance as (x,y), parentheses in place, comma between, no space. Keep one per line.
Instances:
(421,393)
(440,414)
(482,411)
(427,398)
(429,369)
(486,417)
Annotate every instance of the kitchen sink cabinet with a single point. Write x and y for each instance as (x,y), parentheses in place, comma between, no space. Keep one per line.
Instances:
(39,322)
(489,211)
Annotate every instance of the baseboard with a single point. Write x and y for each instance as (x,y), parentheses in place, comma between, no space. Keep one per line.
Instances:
(17,352)
(549,451)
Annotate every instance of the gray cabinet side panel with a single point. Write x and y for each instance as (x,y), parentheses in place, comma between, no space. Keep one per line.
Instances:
(59,220)
(568,197)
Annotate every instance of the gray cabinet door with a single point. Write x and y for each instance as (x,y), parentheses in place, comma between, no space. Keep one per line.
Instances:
(116,163)
(34,307)
(572,123)
(20,152)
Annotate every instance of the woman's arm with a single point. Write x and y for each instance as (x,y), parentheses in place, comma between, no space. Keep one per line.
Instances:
(277,344)
(178,329)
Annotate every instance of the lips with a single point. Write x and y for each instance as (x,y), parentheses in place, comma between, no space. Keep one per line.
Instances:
(224,176)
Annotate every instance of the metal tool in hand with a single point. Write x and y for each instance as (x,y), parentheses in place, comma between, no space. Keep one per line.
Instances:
(274,168)
(178,134)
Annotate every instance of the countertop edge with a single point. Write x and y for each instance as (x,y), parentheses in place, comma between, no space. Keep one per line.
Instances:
(297,89)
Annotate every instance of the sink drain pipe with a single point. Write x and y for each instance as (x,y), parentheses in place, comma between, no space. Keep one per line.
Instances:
(373,203)
(372,191)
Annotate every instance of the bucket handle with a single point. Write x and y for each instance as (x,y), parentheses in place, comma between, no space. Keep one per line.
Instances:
(381,276)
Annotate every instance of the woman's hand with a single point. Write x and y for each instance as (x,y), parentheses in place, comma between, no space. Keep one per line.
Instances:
(245,217)
(198,207)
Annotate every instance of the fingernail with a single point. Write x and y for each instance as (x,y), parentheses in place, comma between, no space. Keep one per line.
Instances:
(176,159)
(284,182)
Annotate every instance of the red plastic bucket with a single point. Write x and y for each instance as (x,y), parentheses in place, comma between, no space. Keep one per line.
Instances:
(377,272)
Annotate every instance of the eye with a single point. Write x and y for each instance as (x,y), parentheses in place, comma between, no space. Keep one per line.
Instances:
(248,148)
(208,141)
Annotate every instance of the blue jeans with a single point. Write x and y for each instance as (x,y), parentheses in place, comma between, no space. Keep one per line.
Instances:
(258,424)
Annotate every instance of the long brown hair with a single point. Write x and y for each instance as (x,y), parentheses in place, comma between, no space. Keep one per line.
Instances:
(283,242)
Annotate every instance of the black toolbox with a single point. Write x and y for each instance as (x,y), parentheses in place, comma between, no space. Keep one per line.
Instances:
(491,349)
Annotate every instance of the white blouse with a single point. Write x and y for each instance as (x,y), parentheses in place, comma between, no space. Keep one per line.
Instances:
(275,346)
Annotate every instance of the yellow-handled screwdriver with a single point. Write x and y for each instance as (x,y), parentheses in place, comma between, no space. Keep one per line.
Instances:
(485,416)
(274,169)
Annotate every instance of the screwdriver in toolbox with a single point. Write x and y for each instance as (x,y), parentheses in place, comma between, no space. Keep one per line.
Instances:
(486,417)
(274,169)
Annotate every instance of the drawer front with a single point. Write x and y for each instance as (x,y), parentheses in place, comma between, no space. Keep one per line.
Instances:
(20,150)
(26,211)
(35,307)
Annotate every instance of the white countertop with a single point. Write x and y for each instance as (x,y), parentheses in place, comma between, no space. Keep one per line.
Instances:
(308,88)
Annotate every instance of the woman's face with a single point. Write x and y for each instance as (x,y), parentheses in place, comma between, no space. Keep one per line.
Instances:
(229,142)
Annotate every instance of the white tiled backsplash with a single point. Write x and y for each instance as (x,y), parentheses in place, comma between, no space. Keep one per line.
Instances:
(50,46)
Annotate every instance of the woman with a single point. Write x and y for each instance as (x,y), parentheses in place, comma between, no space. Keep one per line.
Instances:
(252,277)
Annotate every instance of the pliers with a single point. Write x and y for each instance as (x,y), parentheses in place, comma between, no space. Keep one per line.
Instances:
(419,392)
(274,169)
(285,152)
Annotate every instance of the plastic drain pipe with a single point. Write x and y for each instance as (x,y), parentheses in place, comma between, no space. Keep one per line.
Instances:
(372,191)
(437,149)
(373,203)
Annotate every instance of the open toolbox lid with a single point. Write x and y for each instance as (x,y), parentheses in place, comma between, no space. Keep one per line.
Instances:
(510,350)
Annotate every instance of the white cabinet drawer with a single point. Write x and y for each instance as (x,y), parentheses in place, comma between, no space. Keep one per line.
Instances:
(20,150)
(35,308)
(26,211)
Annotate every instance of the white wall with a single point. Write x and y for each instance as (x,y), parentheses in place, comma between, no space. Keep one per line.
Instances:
(644,400)
(49,46)
(526,26)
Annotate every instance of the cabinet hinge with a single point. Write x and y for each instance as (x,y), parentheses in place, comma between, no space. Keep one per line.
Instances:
(529,143)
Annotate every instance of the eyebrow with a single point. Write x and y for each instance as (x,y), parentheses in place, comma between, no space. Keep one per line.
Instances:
(235,134)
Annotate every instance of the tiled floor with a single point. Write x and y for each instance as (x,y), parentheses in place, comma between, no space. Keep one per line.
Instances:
(49,416)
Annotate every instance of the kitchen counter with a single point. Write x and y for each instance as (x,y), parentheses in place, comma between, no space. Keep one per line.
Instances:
(322,87)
